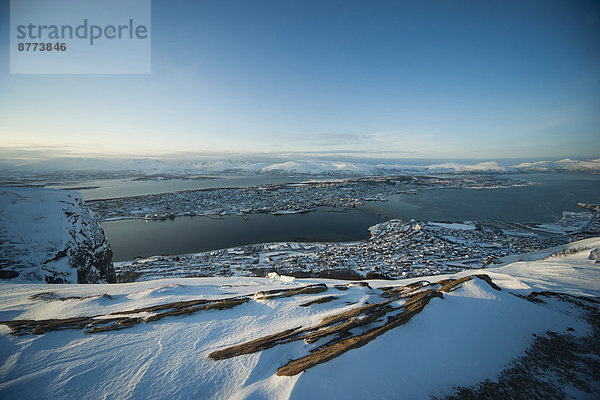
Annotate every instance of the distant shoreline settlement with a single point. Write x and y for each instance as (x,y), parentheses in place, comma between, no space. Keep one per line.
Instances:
(397,249)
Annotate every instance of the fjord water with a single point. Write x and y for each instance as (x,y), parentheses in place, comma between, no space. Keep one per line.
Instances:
(132,238)
(543,201)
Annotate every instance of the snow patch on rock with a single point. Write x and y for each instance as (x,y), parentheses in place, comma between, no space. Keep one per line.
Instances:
(51,236)
(595,255)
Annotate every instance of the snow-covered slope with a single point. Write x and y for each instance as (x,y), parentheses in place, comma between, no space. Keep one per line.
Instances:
(51,236)
(465,334)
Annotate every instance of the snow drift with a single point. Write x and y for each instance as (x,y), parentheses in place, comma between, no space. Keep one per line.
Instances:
(161,334)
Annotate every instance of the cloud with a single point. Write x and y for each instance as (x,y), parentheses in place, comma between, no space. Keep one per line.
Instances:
(31,153)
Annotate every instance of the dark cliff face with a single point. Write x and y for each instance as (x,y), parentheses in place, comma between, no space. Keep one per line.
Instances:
(92,256)
(94,265)
(50,235)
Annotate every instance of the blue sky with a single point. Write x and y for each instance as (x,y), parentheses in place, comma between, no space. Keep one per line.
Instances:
(398,79)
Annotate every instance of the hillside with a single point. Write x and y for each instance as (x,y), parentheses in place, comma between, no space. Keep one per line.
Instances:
(51,236)
(252,337)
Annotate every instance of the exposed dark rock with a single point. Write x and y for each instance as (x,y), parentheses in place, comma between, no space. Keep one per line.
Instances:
(370,320)
(320,300)
(275,294)
(489,281)
(116,320)
(8,274)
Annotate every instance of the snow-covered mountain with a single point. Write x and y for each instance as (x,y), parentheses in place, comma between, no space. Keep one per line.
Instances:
(563,165)
(51,236)
(525,330)
(147,167)
(312,167)
(566,165)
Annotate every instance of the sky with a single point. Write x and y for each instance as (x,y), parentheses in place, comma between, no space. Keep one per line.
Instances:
(397,79)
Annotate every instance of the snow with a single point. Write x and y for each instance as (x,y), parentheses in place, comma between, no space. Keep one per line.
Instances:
(570,222)
(455,225)
(459,340)
(469,335)
(595,254)
(566,164)
(574,274)
(488,166)
(300,164)
(317,167)
(48,234)
(585,244)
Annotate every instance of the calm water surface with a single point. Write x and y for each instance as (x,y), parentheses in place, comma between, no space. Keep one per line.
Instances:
(131,238)
(542,202)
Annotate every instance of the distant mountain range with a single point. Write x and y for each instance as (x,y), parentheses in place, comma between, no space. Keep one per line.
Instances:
(358,167)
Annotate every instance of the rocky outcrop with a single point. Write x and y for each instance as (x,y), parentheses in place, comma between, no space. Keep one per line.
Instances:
(595,255)
(50,235)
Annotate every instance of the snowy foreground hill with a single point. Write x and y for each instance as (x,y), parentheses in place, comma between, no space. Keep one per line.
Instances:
(529,329)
